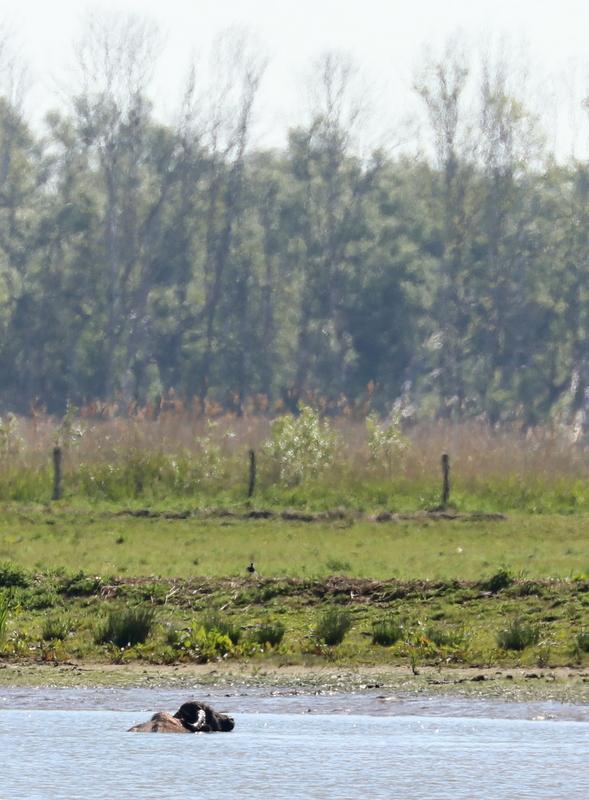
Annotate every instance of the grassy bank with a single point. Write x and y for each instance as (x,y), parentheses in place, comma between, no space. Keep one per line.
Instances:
(411,592)
(56,617)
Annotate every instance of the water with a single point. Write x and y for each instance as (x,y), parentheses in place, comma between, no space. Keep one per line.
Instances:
(70,744)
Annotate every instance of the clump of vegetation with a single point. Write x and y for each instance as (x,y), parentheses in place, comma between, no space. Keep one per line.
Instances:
(333,626)
(208,645)
(518,635)
(214,621)
(270,633)
(10,439)
(3,617)
(127,627)
(301,446)
(13,575)
(71,428)
(386,441)
(55,628)
(337,565)
(80,584)
(500,580)
(386,632)
(582,641)
(443,637)
(199,643)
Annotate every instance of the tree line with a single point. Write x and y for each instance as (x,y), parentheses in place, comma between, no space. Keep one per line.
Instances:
(137,256)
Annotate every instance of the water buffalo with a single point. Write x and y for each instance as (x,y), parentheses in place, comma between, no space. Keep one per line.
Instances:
(191,717)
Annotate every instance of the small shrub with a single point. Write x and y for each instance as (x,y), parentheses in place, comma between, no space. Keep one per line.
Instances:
(385,440)
(36,599)
(13,575)
(386,632)
(582,641)
(210,645)
(301,446)
(543,656)
(270,633)
(444,638)
(213,621)
(178,639)
(500,580)
(518,636)
(55,628)
(127,627)
(10,440)
(333,626)
(81,585)
(335,565)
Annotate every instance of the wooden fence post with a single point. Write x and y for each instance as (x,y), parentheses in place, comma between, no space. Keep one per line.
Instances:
(56,473)
(252,481)
(445,480)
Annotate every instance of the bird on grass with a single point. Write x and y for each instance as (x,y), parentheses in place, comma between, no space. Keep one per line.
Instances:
(250,568)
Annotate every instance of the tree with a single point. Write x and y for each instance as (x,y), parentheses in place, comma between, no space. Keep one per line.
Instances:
(442,87)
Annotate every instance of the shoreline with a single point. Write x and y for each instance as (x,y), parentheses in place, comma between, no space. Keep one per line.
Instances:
(519,684)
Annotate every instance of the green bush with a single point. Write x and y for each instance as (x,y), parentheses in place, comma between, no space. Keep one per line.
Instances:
(333,626)
(302,446)
(269,633)
(582,641)
(210,644)
(517,636)
(80,584)
(337,566)
(55,628)
(127,627)
(386,632)
(500,580)
(443,637)
(213,621)
(385,440)
(13,575)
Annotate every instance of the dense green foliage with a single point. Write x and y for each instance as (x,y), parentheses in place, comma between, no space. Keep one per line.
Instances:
(138,257)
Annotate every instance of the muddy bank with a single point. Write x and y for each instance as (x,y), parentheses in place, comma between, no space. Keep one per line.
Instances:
(565,685)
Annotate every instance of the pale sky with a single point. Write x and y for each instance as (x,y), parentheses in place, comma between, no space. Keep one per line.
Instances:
(386,38)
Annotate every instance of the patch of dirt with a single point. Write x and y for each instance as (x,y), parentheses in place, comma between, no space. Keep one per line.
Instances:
(436,515)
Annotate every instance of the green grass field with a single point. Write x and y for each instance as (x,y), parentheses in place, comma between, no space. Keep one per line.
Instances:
(101,542)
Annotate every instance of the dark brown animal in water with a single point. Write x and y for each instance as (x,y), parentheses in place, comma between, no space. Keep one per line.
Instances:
(191,717)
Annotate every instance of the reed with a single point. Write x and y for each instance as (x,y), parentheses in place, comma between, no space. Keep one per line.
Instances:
(518,635)
(3,617)
(55,628)
(333,626)
(126,627)
(386,632)
(270,633)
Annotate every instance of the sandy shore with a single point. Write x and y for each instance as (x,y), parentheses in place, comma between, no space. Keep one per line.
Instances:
(563,684)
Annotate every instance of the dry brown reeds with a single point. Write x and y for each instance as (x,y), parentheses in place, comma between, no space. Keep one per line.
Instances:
(216,450)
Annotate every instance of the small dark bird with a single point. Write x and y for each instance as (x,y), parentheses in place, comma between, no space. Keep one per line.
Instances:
(250,568)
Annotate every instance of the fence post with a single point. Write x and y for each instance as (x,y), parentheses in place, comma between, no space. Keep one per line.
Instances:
(56,473)
(445,480)
(252,481)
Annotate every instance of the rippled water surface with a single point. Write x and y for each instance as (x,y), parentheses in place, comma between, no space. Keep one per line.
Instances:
(70,744)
